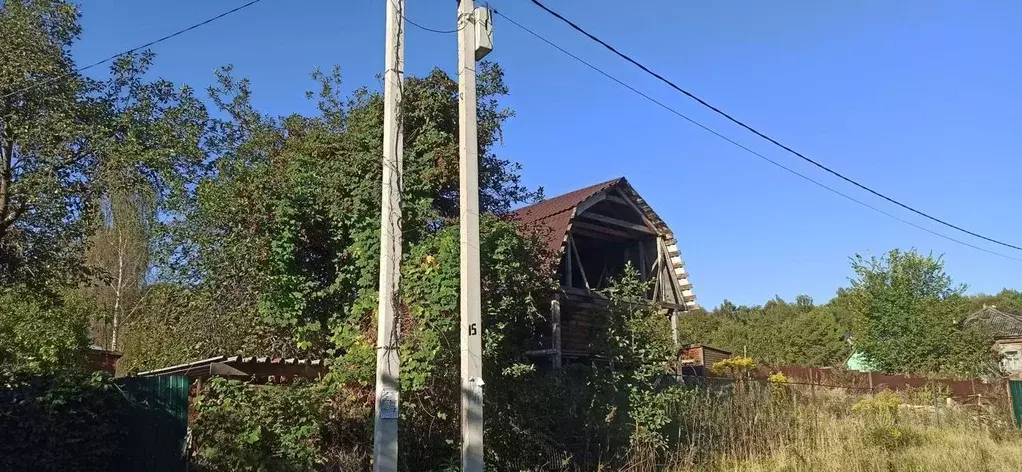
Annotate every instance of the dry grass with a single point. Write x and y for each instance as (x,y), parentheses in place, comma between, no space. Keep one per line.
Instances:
(753,428)
(849,444)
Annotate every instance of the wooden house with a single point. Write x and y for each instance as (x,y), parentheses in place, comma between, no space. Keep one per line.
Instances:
(1006,329)
(593,233)
(697,359)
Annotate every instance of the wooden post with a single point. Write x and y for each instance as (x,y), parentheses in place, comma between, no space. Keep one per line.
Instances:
(568,264)
(582,270)
(555,329)
(869,375)
(674,329)
(642,261)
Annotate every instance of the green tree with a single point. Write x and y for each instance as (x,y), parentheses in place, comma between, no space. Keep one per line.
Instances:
(286,226)
(69,143)
(913,314)
(46,116)
(42,334)
(778,332)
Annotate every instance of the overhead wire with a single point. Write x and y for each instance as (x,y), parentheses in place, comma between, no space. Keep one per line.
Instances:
(132,50)
(706,104)
(742,146)
(431,30)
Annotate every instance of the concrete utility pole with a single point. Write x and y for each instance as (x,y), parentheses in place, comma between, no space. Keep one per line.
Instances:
(388,362)
(474,42)
(471,329)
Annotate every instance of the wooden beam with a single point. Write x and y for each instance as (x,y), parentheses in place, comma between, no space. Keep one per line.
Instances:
(616,222)
(642,261)
(672,277)
(601,229)
(618,200)
(629,202)
(219,369)
(588,294)
(658,287)
(674,330)
(555,321)
(603,275)
(567,265)
(589,202)
(582,270)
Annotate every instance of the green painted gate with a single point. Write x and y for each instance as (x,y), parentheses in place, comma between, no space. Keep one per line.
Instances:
(158,426)
(1015,387)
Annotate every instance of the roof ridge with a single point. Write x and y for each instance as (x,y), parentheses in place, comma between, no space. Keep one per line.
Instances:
(601,185)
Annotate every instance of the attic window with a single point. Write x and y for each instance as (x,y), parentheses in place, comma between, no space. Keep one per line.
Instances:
(595,260)
(608,233)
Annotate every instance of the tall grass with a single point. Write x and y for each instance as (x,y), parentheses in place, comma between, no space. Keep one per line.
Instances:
(756,427)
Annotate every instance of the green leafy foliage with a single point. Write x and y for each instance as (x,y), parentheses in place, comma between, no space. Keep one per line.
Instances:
(242,427)
(778,332)
(42,335)
(913,315)
(68,141)
(176,325)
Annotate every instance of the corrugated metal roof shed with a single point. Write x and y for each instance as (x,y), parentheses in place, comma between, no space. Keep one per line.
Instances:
(244,368)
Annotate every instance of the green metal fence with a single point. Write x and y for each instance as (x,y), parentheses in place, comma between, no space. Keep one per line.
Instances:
(159,424)
(1015,387)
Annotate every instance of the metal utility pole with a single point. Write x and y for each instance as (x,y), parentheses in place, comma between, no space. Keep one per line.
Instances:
(474,41)
(388,362)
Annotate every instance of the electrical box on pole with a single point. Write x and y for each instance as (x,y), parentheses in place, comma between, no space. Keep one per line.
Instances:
(484,31)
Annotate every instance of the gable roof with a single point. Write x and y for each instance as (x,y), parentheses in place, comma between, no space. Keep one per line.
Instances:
(1003,325)
(554,217)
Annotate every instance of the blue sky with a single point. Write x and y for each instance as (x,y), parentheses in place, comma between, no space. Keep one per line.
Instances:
(918,99)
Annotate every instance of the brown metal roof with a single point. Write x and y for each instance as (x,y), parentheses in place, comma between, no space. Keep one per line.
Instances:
(553,216)
(1002,325)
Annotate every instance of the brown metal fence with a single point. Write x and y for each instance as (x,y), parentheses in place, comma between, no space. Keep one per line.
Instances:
(967,391)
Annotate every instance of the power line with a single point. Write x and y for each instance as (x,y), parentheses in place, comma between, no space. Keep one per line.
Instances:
(427,29)
(132,50)
(431,30)
(742,146)
(762,135)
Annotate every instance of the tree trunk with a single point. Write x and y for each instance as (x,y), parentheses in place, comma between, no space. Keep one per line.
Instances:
(118,291)
(6,178)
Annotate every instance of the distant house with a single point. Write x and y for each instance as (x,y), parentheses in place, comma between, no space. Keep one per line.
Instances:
(697,359)
(100,359)
(1007,331)
(593,233)
(858,362)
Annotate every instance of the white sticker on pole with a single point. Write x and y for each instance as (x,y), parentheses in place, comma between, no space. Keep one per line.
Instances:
(388,404)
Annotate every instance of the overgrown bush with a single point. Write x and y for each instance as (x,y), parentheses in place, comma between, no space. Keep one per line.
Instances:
(60,423)
(301,427)
(42,333)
